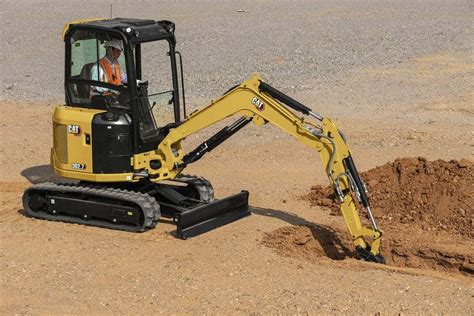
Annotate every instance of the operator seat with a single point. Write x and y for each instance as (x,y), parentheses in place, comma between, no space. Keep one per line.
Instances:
(84,90)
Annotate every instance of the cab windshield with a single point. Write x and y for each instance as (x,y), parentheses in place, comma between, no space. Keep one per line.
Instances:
(97,71)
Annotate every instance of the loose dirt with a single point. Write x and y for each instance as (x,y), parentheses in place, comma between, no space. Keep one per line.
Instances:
(424,208)
(309,242)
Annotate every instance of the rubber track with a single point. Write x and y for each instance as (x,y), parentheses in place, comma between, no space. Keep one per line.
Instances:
(203,186)
(147,204)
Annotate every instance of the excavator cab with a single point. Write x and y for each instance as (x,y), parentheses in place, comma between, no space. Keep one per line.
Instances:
(148,95)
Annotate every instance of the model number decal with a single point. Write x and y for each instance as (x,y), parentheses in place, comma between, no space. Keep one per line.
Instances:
(78,166)
(258,103)
(73,129)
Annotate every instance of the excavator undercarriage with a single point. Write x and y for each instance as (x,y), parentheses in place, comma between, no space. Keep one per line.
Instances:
(136,207)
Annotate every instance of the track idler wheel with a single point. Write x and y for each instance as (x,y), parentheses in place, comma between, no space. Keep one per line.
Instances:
(37,202)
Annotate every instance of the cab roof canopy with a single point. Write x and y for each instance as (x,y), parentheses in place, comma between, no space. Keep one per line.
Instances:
(136,30)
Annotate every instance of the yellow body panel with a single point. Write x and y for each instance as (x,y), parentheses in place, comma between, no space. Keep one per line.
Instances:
(92,177)
(77,150)
(71,149)
(80,21)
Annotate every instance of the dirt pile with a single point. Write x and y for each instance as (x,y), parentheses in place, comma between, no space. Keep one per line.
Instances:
(424,208)
(436,195)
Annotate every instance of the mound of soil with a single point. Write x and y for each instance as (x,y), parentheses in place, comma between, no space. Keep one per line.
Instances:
(435,195)
(424,208)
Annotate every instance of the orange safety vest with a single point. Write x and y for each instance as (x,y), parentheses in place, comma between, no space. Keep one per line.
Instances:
(108,75)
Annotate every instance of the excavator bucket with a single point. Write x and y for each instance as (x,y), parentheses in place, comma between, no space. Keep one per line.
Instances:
(203,218)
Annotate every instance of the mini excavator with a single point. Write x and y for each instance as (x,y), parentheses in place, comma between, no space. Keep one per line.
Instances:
(121,141)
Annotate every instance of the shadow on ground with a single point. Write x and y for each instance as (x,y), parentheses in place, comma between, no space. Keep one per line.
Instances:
(321,236)
(39,174)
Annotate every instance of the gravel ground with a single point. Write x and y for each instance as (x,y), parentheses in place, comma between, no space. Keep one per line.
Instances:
(290,43)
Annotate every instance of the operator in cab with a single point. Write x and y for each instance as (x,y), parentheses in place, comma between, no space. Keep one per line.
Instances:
(110,70)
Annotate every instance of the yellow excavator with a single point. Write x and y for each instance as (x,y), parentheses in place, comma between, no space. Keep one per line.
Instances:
(120,138)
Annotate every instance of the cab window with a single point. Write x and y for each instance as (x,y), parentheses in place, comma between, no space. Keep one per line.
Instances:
(156,106)
(97,70)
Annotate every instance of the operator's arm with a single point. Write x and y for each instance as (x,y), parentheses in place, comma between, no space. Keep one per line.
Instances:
(123,76)
(95,75)
(98,75)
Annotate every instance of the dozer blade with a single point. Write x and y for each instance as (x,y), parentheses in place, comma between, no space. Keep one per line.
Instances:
(206,217)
